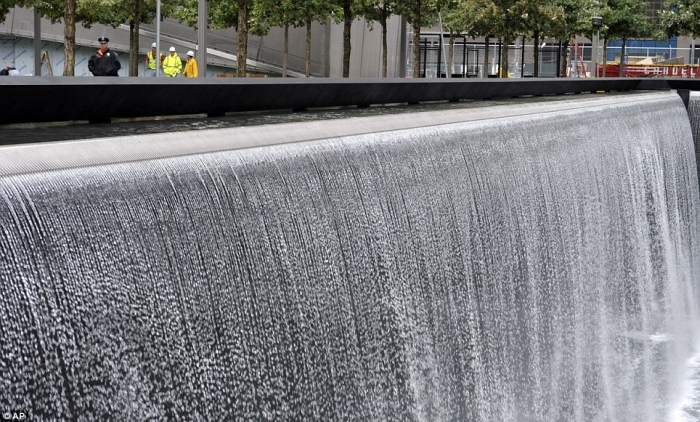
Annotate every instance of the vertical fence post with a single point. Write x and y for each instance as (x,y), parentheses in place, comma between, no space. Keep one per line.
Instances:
(464,56)
(522,59)
(439,60)
(425,56)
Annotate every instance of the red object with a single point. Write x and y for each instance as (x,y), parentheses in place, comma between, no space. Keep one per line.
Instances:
(650,71)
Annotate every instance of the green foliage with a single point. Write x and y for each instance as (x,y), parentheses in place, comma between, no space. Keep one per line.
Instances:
(573,17)
(263,14)
(294,12)
(50,9)
(424,10)
(375,10)
(681,17)
(106,12)
(277,13)
(321,10)
(188,11)
(475,18)
(222,14)
(5,6)
(538,17)
(625,19)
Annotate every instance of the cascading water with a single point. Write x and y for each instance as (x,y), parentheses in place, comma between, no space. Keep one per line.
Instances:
(694,116)
(538,267)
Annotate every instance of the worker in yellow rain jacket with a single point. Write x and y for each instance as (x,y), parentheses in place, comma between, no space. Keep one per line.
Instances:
(191,70)
(172,65)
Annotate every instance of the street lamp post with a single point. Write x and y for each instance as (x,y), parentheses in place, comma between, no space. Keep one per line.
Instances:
(202,38)
(158,62)
(37,42)
(597,22)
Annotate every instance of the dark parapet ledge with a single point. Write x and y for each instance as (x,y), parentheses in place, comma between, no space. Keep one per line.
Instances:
(55,99)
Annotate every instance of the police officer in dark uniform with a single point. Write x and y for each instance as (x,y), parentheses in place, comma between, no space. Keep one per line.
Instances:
(104,62)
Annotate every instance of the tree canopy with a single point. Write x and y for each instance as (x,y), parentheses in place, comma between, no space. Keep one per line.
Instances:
(681,17)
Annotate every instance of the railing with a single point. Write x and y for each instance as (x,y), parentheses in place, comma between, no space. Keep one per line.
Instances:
(468,59)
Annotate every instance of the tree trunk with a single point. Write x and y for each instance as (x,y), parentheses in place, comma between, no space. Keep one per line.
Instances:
(486,57)
(605,56)
(134,43)
(563,66)
(416,39)
(347,26)
(450,55)
(622,57)
(308,43)
(503,70)
(134,27)
(69,38)
(242,52)
(384,43)
(536,70)
(286,50)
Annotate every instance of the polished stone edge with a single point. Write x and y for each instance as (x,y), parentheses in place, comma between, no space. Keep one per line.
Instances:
(55,99)
(39,157)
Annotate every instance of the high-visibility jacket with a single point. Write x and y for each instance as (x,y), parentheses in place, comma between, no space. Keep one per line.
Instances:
(191,70)
(151,60)
(172,66)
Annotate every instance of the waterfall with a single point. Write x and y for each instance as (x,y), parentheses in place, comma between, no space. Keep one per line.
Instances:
(527,268)
(694,116)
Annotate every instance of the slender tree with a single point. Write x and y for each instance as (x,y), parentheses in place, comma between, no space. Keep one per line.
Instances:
(443,8)
(284,13)
(379,11)
(477,18)
(624,20)
(507,24)
(223,14)
(349,8)
(575,19)
(69,13)
(242,31)
(453,20)
(319,11)
(418,13)
(537,18)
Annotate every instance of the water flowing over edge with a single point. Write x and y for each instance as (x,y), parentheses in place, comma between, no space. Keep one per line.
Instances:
(525,268)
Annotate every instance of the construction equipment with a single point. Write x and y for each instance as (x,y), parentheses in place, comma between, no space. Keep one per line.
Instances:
(577,60)
(45,58)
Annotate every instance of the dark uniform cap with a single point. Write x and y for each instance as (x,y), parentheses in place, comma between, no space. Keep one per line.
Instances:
(103,39)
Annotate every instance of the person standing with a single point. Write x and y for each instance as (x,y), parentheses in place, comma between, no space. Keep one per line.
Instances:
(151,61)
(172,65)
(104,62)
(191,66)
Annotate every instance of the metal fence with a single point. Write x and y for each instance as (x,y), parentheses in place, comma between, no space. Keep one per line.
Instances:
(468,58)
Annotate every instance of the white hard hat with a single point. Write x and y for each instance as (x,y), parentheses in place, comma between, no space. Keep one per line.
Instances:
(190,53)
(172,48)
(153,45)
